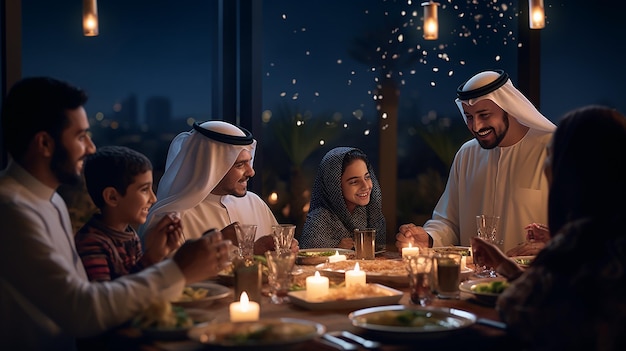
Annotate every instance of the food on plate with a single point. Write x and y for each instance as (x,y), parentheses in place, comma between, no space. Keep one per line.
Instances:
(192,294)
(464,251)
(494,287)
(261,331)
(228,271)
(404,318)
(378,267)
(315,253)
(523,260)
(355,292)
(163,315)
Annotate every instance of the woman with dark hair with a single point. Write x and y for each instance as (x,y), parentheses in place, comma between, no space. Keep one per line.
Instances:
(345,196)
(572,295)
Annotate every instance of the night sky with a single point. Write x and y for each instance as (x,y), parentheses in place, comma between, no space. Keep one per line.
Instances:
(158,48)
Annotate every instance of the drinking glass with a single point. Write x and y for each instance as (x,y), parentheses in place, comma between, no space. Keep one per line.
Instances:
(279,264)
(245,239)
(420,269)
(364,243)
(447,266)
(487,226)
(283,236)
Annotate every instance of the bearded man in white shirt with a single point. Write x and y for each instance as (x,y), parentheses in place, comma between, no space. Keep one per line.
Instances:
(498,172)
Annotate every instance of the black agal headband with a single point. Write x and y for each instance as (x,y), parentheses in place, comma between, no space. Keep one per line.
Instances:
(484,90)
(225,138)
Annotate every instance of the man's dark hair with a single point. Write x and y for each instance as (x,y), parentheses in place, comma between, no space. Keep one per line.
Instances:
(37,104)
(113,166)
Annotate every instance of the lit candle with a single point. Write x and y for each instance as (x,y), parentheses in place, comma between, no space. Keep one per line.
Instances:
(463,263)
(316,286)
(244,309)
(336,257)
(410,251)
(355,277)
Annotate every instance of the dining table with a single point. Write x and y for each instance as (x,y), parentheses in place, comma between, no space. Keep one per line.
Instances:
(487,334)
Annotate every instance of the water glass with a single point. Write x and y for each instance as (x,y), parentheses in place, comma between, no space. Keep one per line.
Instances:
(487,228)
(420,269)
(280,264)
(283,236)
(245,239)
(364,243)
(447,274)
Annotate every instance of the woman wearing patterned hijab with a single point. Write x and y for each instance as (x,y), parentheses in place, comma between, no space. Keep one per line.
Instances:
(345,196)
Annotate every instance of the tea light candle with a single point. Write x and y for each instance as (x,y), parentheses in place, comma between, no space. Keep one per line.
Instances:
(355,277)
(410,251)
(336,257)
(316,286)
(244,310)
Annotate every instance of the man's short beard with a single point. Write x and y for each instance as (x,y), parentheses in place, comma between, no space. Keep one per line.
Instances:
(505,119)
(60,165)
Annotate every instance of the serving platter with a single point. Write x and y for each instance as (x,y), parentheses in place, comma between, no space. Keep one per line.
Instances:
(264,334)
(320,255)
(382,295)
(390,272)
(412,322)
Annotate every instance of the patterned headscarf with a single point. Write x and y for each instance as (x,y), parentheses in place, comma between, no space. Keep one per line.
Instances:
(329,220)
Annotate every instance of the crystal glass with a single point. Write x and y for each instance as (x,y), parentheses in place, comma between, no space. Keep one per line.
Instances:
(245,239)
(283,236)
(280,265)
(487,227)
(420,269)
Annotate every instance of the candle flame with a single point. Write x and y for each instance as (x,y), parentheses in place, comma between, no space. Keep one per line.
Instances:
(244,301)
(337,253)
(317,274)
(356,267)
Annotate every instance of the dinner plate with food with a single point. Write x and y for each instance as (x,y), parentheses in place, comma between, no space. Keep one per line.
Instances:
(353,297)
(165,321)
(321,255)
(264,334)
(485,290)
(382,271)
(412,322)
(201,295)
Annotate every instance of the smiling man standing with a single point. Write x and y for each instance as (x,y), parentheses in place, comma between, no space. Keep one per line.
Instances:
(498,172)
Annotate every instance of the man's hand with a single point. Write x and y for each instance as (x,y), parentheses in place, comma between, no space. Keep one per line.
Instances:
(203,258)
(346,243)
(537,232)
(410,233)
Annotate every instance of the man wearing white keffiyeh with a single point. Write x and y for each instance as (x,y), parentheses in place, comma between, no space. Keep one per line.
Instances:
(205,181)
(334,212)
(498,172)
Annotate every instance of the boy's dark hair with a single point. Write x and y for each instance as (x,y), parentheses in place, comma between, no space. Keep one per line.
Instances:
(37,104)
(113,166)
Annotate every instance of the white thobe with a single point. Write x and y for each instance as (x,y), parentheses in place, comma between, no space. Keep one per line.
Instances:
(505,181)
(220,211)
(46,300)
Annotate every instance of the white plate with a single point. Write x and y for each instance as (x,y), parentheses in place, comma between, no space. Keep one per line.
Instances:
(486,297)
(282,333)
(216,292)
(320,255)
(392,296)
(430,322)
(395,276)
